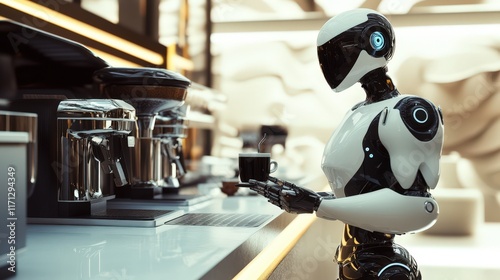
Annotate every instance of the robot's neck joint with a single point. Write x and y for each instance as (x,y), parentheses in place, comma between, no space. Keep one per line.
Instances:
(378,86)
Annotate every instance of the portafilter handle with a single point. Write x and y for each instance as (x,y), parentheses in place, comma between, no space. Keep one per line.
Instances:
(178,158)
(107,154)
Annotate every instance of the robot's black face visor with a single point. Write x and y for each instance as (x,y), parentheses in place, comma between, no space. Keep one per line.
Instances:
(338,56)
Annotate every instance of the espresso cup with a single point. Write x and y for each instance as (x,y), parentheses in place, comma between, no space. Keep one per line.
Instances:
(256,166)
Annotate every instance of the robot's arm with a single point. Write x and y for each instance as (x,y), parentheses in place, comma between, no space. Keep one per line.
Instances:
(383,211)
(288,196)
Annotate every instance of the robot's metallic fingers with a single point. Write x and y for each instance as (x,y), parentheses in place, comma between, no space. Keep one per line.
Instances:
(258,190)
(275,189)
(263,188)
(273,179)
(258,186)
(284,205)
(257,183)
(272,195)
(285,197)
(276,202)
(288,192)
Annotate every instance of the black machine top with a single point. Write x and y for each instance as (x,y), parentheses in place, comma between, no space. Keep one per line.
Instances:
(141,76)
(43,59)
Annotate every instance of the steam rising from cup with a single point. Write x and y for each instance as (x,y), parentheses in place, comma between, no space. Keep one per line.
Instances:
(260,143)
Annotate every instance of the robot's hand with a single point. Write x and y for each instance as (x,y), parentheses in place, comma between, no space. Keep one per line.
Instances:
(287,196)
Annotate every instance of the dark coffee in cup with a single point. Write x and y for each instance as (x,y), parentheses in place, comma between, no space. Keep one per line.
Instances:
(256,166)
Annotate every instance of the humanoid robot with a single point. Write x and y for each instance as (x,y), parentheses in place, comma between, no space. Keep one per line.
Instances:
(382,160)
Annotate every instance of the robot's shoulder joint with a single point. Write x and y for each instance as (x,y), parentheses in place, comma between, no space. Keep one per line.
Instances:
(420,116)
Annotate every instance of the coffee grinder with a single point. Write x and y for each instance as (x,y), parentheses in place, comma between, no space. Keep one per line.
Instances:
(170,127)
(152,92)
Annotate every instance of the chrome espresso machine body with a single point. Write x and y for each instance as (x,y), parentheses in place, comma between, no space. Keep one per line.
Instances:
(93,136)
(171,128)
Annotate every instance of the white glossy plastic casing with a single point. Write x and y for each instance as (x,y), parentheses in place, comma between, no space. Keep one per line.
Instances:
(382,210)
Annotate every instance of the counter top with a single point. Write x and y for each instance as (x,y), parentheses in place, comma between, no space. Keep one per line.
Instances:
(223,252)
(165,252)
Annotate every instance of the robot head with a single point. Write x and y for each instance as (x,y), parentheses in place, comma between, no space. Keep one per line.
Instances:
(352,44)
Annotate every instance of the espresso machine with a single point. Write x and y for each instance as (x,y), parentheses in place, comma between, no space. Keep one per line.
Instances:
(97,139)
(156,95)
(93,135)
(170,127)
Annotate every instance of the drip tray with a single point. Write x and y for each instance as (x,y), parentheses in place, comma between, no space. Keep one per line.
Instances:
(220,220)
(116,217)
(158,202)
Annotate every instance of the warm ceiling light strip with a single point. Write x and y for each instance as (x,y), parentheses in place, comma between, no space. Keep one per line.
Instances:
(84,29)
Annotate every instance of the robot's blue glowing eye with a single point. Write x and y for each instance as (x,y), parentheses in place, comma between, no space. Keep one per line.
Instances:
(377,41)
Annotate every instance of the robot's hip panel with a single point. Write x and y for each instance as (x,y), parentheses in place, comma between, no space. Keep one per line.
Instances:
(382,261)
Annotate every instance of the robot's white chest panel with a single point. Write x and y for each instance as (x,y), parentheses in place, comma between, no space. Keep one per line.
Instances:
(344,152)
